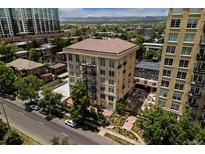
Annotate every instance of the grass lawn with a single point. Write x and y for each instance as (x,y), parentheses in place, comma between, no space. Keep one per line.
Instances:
(117,139)
(117,120)
(125,133)
(26,139)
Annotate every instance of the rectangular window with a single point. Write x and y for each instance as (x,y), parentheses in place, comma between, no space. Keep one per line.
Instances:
(170,49)
(192,101)
(172,37)
(77,67)
(163,93)
(194,10)
(110,98)
(202,52)
(189,37)
(70,58)
(181,75)
(112,63)
(111,73)
(168,61)
(102,62)
(175,106)
(102,96)
(177,96)
(186,50)
(71,74)
(162,103)
(102,72)
(71,80)
(166,73)
(93,61)
(102,80)
(179,86)
(183,63)
(71,66)
(177,10)
(175,23)
(111,82)
(111,89)
(192,23)
(102,88)
(83,60)
(77,59)
(165,83)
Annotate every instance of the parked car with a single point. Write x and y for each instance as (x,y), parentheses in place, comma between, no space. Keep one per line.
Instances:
(28,109)
(44,112)
(70,123)
(35,107)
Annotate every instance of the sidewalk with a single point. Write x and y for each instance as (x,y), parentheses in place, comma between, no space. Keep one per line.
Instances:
(103,131)
(129,122)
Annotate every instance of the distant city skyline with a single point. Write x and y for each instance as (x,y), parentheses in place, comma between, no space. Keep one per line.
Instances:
(111,12)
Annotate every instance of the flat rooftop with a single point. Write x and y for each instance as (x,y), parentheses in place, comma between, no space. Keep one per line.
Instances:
(64,90)
(58,65)
(113,46)
(148,65)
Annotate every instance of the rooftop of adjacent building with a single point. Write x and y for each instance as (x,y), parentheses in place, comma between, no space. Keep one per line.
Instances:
(148,65)
(113,46)
(25,64)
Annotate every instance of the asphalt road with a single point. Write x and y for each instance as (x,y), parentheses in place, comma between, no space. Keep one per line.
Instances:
(36,126)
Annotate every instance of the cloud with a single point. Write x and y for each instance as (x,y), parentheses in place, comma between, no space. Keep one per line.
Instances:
(115,12)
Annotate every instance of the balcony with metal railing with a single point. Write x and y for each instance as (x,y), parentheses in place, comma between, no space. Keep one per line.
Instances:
(202,40)
(194,93)
(198,69)
(200,56)
(197,83)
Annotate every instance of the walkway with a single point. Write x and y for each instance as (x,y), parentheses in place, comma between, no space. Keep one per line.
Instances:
(103,131)
(129,122)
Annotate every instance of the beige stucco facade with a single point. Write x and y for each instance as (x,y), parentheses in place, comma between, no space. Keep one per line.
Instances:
(110,87)
(184,89)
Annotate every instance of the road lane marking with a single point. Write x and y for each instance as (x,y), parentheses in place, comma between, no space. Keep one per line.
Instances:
(41,122)
(64,134)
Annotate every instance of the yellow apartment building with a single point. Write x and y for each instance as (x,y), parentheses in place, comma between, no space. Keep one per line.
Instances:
(107,67)
(182,67)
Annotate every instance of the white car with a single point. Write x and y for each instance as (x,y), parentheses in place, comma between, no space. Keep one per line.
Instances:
(70,123)
(35,107)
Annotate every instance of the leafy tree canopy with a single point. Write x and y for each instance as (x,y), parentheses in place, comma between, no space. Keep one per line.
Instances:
(28,87)
(7,79)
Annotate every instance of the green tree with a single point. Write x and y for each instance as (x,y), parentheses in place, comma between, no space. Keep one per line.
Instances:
(33,55)
(121,107)
(12,138)
(59,141)
(3,129)
(7,79)
(59,44)
(162,127)
(81,102)
(34,43)
(28,87)
(7,50)
(51,101)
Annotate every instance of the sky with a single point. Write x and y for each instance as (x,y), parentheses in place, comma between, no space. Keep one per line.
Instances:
(111,12)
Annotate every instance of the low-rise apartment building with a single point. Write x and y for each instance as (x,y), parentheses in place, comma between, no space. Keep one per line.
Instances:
(106,66)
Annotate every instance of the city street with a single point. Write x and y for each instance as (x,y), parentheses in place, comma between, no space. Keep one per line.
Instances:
(40,129)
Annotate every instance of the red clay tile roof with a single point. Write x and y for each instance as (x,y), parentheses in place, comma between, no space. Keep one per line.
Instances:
(115,46)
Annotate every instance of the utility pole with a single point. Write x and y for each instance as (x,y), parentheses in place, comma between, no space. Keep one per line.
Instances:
(5,115)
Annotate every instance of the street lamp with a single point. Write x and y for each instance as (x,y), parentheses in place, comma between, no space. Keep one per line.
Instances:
(5,114)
